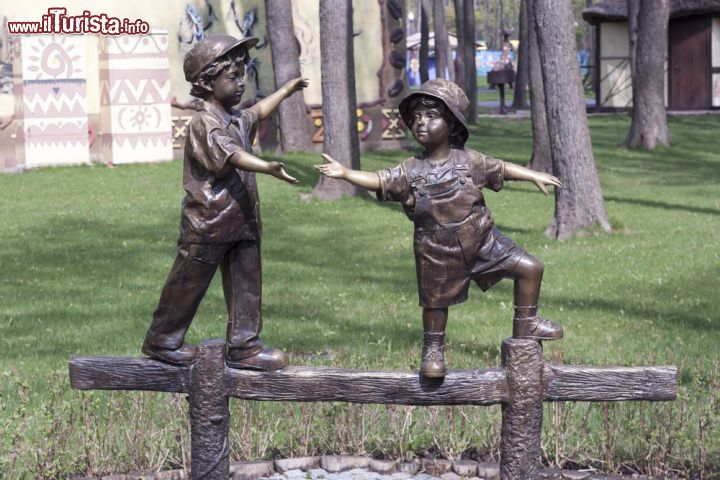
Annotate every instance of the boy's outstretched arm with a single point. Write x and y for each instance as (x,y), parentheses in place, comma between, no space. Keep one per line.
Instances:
(540,179)
(267,105)
(332,169)
(247,161)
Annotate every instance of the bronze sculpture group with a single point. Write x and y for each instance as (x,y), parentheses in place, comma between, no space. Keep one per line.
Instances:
(440,190)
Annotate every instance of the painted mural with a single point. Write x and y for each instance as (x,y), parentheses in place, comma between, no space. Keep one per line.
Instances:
(135,98)
(51,100)
(77,98)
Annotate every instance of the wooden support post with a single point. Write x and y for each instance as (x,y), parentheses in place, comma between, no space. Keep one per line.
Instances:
(209,414)
(523,411)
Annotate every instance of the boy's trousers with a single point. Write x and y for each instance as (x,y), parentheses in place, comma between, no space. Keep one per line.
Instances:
(189,278)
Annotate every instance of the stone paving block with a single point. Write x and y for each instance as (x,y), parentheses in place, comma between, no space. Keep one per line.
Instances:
(550,473)
(339,463)
(358,474)
(299,463)
(574,475)
(408,468)
(488,470)
(465,468)
(251,470)
(403,475)
(295,473)
(424,476)
(379,476)
(170,475)
(435,467)
(316,473)
(382,466)
(450,476)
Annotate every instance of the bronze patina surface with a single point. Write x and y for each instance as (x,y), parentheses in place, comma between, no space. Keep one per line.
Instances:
(455,241)
(220,223)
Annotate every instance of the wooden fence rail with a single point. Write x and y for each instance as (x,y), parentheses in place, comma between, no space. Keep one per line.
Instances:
(521,386)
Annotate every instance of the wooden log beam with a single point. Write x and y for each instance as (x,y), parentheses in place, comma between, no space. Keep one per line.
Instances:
(609,384)
(127,373)
(322,384)
(316,384)
(300,384)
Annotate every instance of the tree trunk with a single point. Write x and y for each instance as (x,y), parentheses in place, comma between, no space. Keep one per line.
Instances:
(442,46)
(424,41)
(521,79)
(580,204)
(459,61)
(339,103)
(633,8)
(294,123)
(468,54)
(541,159)
(649,123)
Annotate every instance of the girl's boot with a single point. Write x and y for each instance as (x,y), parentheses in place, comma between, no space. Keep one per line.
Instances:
(528,324)
(433,355)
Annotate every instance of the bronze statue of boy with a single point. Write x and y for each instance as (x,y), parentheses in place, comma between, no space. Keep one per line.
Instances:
(220,223)
(455,240)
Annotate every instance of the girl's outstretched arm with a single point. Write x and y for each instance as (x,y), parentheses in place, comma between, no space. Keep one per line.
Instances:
(540,179)
(332,169)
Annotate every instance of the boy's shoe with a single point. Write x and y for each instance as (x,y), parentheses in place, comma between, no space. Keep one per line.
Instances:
(266,360)
(433,355)
(185,355)
(536,328)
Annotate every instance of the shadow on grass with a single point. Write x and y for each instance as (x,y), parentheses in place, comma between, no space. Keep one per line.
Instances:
(663,205)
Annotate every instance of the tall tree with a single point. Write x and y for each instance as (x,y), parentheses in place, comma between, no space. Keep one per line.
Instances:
(442,46)
(459,61)
(648,32)
(541,159)
(468,53)
(580,204)
(339,102)
(521,79)
(284,47)
(424,40)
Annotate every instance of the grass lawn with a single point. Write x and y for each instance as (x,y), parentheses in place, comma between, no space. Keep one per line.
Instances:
(85,252)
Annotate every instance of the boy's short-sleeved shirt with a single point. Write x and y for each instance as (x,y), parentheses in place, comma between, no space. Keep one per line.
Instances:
(221,203)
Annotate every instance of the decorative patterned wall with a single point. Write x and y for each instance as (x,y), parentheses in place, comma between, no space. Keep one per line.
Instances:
(136,123)
(51,100)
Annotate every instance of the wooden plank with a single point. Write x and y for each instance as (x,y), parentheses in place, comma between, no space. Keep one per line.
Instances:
(127,373)
(609,384)
(322,384)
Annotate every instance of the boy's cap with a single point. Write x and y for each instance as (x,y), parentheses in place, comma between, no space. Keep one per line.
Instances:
(209,49)
(447,92)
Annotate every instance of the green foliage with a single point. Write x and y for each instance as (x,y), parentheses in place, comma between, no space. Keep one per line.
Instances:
(86,250)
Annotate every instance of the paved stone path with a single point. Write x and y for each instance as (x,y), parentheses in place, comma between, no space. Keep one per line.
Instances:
(349,467)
